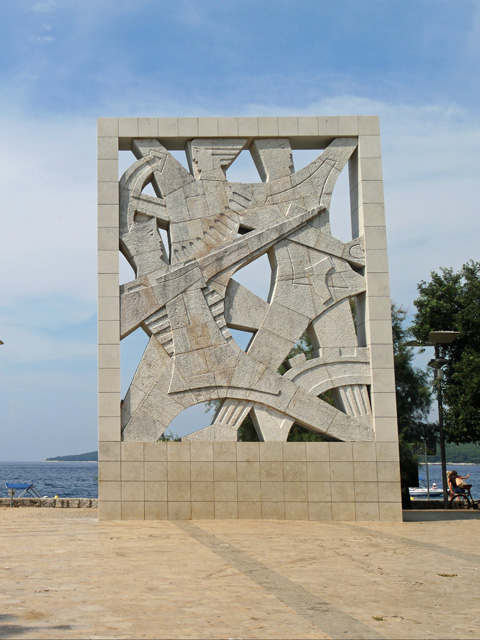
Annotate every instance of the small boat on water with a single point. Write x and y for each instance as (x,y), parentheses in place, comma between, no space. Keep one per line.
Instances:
(422,492)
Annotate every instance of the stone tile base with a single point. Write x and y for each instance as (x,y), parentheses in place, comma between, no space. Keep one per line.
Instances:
(348,481)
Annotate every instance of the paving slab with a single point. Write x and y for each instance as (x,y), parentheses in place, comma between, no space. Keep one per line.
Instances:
(63,574)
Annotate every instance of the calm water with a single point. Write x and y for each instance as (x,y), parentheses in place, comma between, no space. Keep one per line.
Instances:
(435,475)
(64,479)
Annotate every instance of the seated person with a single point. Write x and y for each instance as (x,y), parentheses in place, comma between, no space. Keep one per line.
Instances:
(457,483)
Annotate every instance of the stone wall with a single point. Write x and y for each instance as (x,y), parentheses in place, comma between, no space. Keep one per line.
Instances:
(249,480)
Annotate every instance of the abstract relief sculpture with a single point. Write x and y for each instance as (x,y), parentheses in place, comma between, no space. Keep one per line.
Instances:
(186,298)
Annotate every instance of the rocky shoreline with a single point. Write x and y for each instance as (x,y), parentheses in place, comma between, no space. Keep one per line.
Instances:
(59,503)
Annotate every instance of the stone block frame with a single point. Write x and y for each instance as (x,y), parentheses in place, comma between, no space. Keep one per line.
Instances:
(352,480)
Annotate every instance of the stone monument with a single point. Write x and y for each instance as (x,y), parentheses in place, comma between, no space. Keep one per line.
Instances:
(185,298)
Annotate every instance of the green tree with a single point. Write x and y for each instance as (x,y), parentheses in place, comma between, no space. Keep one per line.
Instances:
(450,301)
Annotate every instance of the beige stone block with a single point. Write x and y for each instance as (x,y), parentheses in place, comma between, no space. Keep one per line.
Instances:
(201,471)
(341,451)
(109,491)
(347,125)
(295,491)
(389,492)
(109,428)
(328,126)
(248,471)
(109,451)
(376,308)
(371,215)
(109,405)
(107,127)
(178,451)
(375,239)
(156,492)
(107,148)
(226,511)
(179,511)
(296,511)
(201,451)
(381,356)
(383,380)
(295,471)
(371,169)
(155,451)
(128,127)
(386,429)
(108,356)
(225,491)
(272,491)
(366,492)
(341,471)
(148,127)
(109,308)
(365,471)
(273,511)
(342,492)
(294,451)
(107,193)
(133,510)
(109,471)
(202,491)
(248,451)
(384,404)
(155,471)
(224,471)
(271,471)
(108,263)
(366,512)
(317,451)
(369,146)
(319,491)
(133,471)
(318,471)
(307,126)
(156,511)
(377,261)
(271,451)
(203,510)
(388,471)
(108,240)
(188,127)
(109,381)
(320,511)
(369,125)
(390,512)
(168,127)
(107,216)
(109,510)
(378,284)
(224,451)
(132,451)
(178,471)
(107,170)
(287,126)
(207,127)
(108,332)
(364,452)
(249,491)
(249,510)
(343,511)
(179,491)
(267,127)
(247,127)
(134,491)
(228,127)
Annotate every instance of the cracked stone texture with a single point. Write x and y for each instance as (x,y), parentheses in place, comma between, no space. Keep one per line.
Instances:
(186,299)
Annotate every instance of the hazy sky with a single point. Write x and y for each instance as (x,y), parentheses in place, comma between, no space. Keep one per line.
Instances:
(63,63)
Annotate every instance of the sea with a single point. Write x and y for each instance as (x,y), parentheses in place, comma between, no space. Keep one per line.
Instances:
(62,479)
(80,479)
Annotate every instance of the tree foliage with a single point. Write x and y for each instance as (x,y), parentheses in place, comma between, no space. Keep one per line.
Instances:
(450,301)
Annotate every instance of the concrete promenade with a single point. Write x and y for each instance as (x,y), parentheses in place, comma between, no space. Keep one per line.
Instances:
(66,575)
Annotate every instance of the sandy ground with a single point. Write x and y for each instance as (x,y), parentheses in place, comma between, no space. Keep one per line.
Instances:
(63,574)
